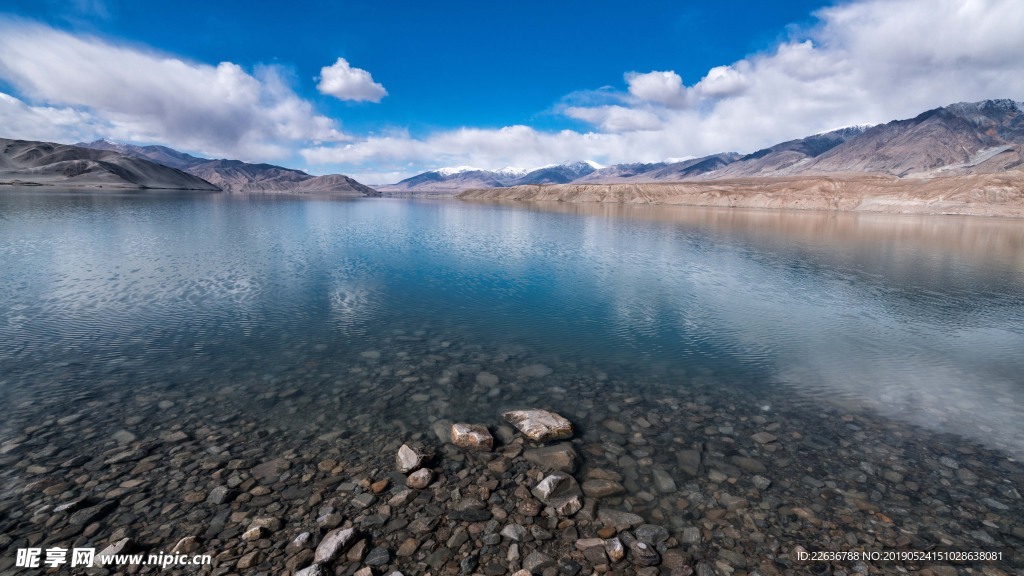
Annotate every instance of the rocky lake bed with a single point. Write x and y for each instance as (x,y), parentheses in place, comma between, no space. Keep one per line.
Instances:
(345,464)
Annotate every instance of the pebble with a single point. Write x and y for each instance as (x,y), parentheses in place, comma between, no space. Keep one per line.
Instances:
(419,479)
(559,457)
(407,459)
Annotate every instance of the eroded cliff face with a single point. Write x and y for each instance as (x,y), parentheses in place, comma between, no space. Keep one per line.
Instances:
(976,194)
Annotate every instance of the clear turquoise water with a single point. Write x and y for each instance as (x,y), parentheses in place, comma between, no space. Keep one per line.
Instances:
(920,319)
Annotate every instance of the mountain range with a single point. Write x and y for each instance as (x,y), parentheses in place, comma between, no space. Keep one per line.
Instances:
(453,180)
(45,163)
(238,176)
(984,137)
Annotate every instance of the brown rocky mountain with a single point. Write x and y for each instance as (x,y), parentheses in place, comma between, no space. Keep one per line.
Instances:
(28,162)
(238,176)
(984,137)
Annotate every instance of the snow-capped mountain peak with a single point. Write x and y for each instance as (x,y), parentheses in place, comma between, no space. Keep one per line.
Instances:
(452,170)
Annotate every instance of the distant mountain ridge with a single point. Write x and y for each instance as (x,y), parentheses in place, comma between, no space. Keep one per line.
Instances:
(238,176)
(27,162)
(984,137)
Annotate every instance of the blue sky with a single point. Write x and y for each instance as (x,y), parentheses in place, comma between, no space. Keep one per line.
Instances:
(489,84)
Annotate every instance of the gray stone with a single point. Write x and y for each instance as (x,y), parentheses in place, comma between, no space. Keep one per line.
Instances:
(220,495)
(443,430)
(364,500)
(689,461)
(749,464)
(764,438)
(378,557)
(269,472)
(761,482)
(537,561)
(88,515)
(560,457)
(334,543)
(540,425)
(514,532)
(651,533)
(691,535)
(662,481)
(619,519)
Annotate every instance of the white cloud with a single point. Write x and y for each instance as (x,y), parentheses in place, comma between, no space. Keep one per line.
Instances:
(664,88)
(615,118)
(23,122)
(864,62)
(347,83)
(131,94)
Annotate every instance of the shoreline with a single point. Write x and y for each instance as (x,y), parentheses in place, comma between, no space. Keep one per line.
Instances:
(989,195)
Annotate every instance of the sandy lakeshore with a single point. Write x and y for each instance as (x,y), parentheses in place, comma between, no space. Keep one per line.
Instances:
(975,195)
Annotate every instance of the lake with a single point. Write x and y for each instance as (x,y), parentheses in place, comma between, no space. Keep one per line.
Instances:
(843,358)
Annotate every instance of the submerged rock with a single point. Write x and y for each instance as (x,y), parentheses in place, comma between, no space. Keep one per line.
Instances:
(472,437)
(540,425)
(560,457)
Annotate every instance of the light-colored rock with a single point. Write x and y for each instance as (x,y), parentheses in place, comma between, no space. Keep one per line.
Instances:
(550,486)
(540,425)
(186,545)
(472,437)
(764,437)
(614,549)
(254,533)
(113,550)
(334,543)
(584,543)
(560,492)
(408,459)
(419,479)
